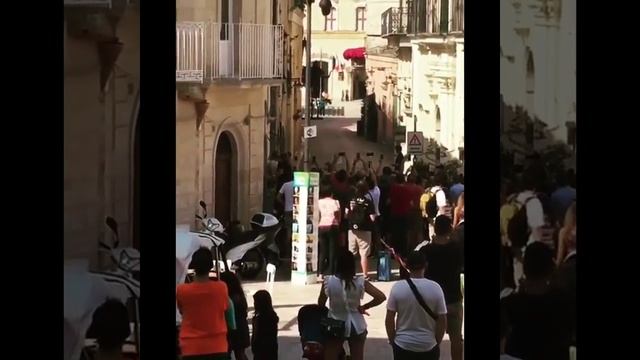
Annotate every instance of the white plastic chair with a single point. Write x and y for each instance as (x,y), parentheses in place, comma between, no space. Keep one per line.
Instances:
(271,276)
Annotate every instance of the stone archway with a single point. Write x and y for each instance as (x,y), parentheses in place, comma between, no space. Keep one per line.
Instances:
(225,178)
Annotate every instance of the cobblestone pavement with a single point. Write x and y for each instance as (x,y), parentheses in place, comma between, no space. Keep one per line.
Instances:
(337,134)
(287,300)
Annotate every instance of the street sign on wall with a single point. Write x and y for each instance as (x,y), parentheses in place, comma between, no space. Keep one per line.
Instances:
(310,132)
(415,140)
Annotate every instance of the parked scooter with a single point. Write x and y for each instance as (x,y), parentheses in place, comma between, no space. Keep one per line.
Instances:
(122,282)
(245,252)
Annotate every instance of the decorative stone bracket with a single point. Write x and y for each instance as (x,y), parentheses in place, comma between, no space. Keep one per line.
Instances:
(108,53)
(201,109)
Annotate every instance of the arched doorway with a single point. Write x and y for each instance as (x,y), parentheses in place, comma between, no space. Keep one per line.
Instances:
(530,82)
(224,175)
(324,81)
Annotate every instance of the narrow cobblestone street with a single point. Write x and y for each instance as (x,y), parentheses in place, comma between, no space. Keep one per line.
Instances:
(337,134)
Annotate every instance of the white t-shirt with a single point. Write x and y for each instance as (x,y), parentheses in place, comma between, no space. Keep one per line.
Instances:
(535,214)
(287,190)
(359,165)
(415,329)
(441,201)
(375,194)
(341,164)
(343,305)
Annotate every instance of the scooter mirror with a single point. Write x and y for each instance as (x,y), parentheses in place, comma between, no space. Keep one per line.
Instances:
(112,224)
(203,205)
(198,217)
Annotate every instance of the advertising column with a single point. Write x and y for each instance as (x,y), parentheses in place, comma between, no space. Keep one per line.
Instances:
(304,255)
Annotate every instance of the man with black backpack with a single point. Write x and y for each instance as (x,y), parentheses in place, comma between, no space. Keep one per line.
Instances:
(361,216)
(437,203)
(527,224)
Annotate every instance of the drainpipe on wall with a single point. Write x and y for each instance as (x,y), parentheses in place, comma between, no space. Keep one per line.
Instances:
(201,108)
(132,143)
(112,148)
(247,120)
(101,181)
(108,53)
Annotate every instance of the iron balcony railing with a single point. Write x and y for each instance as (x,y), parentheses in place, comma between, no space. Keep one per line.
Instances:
(435,16)
(394,22)
(207,51)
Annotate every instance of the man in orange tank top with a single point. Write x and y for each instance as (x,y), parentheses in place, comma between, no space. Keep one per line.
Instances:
(203,303)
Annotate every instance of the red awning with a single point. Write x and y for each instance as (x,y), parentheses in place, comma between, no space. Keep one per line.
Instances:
(355,53)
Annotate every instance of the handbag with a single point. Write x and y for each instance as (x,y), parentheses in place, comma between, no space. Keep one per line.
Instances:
(333,328)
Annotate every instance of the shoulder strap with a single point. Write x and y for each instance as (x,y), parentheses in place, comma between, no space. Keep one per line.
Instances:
(420,299)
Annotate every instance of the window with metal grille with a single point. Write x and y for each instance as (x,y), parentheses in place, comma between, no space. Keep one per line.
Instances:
(361,18)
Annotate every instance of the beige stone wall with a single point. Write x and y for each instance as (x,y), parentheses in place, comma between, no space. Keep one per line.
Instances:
(383,67)
(237,109)
(98,140)
(436,67)
(196,10)
(525,27)
(239,112)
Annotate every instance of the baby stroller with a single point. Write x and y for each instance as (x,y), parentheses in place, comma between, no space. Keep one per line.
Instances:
(311,337)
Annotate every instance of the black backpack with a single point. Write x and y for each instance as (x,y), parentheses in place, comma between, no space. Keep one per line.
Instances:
(432,204)
(358,216)
(518,229)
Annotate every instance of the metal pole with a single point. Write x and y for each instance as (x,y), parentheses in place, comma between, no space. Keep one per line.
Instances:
(307,86)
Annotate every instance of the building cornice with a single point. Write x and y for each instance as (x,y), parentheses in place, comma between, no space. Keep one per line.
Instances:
(318,34)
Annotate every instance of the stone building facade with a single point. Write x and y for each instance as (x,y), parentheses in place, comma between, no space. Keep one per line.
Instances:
(101,100)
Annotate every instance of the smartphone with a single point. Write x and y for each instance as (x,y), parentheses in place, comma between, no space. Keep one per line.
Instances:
(369,154)
(341,153)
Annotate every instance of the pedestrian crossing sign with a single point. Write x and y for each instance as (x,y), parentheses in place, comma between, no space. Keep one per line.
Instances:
(415,139)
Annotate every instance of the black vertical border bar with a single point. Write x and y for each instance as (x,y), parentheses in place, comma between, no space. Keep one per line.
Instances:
(482,178)
(606,156)
(157,179)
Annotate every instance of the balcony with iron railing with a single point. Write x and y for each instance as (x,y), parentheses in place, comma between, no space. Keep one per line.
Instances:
(433,17)
(209,52)
(394,22)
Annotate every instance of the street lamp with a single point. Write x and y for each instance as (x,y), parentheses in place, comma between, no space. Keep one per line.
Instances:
(325,8)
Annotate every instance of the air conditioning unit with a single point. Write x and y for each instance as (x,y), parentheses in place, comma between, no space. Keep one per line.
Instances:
(88,3)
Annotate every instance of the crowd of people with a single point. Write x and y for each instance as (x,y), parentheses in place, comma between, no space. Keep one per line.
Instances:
(417,215)
(214,317)
(538,258)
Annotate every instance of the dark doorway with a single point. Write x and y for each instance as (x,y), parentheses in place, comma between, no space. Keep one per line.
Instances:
(274,12)
(223,178)
(359,84)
